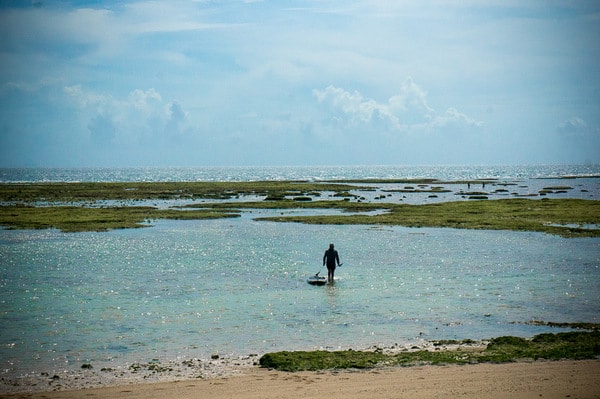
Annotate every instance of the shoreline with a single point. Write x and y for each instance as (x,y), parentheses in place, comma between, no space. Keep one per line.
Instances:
(567,346)
(133,374)
(90,377)
(546,379)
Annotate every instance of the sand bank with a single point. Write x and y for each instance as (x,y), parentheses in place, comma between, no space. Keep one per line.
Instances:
(541,379)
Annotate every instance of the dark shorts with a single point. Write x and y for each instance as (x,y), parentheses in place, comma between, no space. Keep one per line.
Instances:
(331,267)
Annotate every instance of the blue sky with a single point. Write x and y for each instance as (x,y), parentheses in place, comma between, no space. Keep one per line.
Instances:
(315,82)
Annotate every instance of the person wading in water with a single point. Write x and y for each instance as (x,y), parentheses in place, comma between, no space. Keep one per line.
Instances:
(330,258)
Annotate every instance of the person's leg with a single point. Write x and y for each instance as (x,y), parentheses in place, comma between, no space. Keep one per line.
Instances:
(330,272)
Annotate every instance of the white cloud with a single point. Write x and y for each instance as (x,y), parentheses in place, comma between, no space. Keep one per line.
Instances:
(86,99)
(146,101)
(95,34)
(530,63)
(574,127)
(408,110)
(411,96)
(352,104)
(171,16)
(453,116)
(140,116)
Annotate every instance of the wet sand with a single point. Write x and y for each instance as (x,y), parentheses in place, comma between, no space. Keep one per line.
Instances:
(540,379)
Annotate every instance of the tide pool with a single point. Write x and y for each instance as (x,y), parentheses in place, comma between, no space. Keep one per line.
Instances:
(191,289)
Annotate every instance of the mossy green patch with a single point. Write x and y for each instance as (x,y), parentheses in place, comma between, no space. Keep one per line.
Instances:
(82,192)
(570,345)
(321,360)
(553,216)
(74,219)
(566,345)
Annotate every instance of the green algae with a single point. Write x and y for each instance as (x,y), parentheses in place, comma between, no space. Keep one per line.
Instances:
(75,219)
(569,345)
(321,360)
(564,217)
(83,192)
(552,216)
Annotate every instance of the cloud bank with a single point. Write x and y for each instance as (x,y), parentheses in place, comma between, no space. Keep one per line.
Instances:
(140,83)
(403,112)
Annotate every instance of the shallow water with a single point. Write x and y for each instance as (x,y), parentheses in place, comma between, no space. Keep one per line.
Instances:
(190,289)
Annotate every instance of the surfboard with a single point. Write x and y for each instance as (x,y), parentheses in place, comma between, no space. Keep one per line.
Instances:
(317,280)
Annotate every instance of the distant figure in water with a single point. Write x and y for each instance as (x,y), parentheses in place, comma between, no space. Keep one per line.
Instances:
(330,258)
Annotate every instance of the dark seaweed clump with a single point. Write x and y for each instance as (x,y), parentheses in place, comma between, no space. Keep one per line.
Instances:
(567,345)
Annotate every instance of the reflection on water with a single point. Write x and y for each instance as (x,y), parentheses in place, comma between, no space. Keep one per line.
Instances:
(311,173)
(332,297)
(193,288)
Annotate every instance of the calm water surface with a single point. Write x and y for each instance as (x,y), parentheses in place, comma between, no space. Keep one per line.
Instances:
(186,289)
(190,289)
(251,173)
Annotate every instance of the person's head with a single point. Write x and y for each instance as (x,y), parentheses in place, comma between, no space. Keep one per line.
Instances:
(330,246)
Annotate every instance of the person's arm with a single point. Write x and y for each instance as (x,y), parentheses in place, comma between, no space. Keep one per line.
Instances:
(337,257)
(324,257)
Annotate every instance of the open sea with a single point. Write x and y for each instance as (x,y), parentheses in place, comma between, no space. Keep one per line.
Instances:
(233,287)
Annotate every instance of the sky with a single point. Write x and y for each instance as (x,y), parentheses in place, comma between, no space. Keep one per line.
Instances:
(286,82)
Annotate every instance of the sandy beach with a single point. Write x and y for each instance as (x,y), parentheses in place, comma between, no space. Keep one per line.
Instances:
(541,379)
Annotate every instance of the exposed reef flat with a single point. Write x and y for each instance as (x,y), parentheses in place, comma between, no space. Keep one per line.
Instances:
(104,206)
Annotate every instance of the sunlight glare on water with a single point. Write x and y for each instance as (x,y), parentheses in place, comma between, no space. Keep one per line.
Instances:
(190,289)
(237,286)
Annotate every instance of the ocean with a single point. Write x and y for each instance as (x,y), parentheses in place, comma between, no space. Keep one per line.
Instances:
(250,173)
(234,287)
